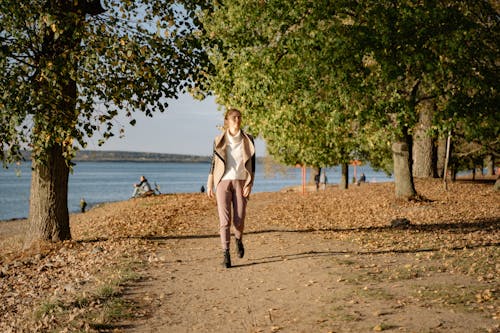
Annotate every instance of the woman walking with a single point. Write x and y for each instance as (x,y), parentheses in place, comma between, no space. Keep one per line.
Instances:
(232,174)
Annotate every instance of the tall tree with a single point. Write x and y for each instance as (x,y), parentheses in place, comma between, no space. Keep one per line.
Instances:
(69,67)
(276,60)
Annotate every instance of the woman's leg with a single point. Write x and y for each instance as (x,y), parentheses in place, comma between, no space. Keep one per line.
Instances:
(239,208)
(224,197)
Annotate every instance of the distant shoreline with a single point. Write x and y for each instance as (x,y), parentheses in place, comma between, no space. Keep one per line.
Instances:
(133,156)
(130,156)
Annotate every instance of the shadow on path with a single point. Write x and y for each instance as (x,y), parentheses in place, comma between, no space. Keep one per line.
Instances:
(313,254)
(456,227)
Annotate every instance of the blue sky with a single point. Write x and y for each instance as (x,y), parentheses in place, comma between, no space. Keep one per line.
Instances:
(187,127)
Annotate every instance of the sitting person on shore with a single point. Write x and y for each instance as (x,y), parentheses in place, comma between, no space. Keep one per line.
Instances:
(142,188)
(362,179)
(316,181)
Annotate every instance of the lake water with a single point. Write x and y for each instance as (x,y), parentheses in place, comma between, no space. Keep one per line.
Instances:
(100,182)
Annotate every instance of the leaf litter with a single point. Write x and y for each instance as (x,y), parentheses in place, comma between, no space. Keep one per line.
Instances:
(447,252)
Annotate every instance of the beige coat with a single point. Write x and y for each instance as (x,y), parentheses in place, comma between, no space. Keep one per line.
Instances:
(218,166)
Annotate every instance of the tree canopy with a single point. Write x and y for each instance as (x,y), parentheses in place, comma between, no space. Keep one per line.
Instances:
(277,60)
(322,81)
(128,56)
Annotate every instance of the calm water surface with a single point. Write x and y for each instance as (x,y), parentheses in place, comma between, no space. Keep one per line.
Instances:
(99,182)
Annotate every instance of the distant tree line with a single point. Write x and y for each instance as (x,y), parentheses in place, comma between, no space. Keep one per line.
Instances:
(94,155)
(128,156)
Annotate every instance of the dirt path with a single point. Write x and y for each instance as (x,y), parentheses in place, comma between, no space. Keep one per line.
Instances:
(298,281)
(328,261)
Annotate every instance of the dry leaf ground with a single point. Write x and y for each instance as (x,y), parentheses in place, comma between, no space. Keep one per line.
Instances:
(327,261)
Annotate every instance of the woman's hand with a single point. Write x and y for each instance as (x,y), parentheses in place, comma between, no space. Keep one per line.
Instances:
(246,191)
(210,192)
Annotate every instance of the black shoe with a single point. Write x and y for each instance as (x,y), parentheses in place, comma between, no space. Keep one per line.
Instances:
(239,246)
(227,259)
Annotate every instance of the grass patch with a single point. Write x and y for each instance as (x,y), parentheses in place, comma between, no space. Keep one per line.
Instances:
(376,293)
(360,276)
(479,263)
(49,308)
(470,298)
(97,309)
(408,272)
(384,327)
(112,307)
(81,302)
(107,292)
(346,262)
(340,314)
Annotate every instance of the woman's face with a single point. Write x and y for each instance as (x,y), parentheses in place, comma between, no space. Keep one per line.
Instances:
(234,122)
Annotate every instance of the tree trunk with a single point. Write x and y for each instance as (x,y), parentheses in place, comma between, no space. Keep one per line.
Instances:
(422,142)
(440,158)
(403,179)
(489,162)
(344,179)
(48,214)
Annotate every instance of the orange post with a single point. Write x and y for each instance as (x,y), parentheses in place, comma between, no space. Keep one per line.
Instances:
(303,179)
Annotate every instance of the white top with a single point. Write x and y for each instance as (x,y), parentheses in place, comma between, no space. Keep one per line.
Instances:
(235,167)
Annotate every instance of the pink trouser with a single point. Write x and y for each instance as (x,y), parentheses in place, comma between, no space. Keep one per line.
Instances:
(230,193)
